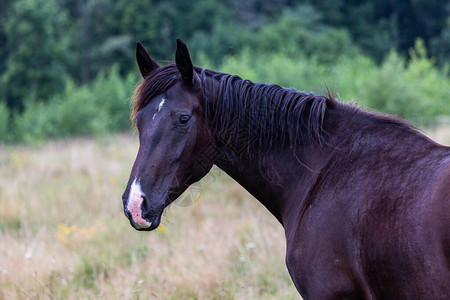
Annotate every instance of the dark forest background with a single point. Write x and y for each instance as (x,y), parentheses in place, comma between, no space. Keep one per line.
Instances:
(67,66)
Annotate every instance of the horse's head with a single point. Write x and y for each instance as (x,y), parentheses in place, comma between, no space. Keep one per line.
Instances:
(173,136)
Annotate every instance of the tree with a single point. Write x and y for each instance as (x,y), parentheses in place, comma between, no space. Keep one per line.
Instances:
(4,8)
(37,47)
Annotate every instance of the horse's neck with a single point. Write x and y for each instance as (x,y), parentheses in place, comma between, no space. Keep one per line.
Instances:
(277,177)
(280,180)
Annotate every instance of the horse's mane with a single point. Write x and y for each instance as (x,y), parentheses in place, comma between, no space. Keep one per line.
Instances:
(261,116)
(246,114)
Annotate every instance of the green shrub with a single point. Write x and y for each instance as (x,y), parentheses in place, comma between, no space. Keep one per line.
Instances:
(60,117)
(111,94)
(349,76)
(432,84)
(95,109)
(35,123)
(414,89)
(77,112)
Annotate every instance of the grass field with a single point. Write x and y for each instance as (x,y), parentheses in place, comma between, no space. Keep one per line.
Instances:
(63,234)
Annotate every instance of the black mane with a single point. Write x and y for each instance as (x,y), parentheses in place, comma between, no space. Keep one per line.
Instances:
(258,116)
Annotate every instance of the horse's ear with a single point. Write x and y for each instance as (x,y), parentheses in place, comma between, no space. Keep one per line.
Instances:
(184,63)
(145,62)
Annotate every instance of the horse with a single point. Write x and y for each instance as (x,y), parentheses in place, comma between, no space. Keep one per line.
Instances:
(363,197)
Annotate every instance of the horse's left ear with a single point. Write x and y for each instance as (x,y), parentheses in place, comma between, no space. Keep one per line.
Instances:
(145,62)
(184,63)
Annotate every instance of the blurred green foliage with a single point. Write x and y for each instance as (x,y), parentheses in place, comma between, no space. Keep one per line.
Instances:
(98,108)
(65,64)
(4,122)
(37,44)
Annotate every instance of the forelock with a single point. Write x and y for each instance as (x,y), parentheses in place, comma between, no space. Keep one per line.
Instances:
(157,82)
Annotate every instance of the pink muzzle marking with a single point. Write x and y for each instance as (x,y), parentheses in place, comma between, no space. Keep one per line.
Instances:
(134,206)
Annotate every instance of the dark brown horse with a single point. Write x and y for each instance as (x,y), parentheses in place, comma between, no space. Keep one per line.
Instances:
(364,198)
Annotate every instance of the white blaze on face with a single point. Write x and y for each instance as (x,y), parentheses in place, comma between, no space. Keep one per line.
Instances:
(134,205)
(159,107)
(161,104)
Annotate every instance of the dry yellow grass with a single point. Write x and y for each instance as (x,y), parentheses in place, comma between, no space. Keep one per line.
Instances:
(63,234)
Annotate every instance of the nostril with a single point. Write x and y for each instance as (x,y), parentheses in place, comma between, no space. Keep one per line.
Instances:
(144,205)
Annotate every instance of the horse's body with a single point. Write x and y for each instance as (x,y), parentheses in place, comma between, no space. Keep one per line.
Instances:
(364,199)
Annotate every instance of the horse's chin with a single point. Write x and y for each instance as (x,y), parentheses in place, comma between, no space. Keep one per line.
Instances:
(153,225)
(149,226)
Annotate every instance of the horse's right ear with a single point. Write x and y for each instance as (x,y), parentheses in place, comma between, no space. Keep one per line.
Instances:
(145,62)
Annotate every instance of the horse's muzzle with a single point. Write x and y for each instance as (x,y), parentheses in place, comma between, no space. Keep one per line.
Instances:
(140,222)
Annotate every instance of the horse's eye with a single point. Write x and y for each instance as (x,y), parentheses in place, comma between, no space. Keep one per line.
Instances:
(184,119)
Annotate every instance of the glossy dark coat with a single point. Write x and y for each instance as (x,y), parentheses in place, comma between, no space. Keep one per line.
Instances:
(364,198)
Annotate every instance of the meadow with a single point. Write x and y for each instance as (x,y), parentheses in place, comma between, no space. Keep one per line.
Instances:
(63,234)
